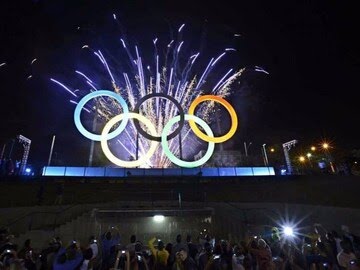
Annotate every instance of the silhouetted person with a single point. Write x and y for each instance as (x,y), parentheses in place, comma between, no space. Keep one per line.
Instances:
(3,166)
(10,167)
(40,194)
(59,194)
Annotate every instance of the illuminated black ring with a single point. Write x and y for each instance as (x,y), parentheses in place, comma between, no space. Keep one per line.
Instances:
(158,138)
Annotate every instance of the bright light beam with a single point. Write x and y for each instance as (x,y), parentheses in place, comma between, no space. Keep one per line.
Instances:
(288,231)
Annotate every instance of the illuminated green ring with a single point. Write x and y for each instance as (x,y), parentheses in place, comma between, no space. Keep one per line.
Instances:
(172,157)
(114,159)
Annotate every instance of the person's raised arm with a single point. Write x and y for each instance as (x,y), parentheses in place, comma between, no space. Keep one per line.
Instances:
(117,259)
(127,253)
(151,245)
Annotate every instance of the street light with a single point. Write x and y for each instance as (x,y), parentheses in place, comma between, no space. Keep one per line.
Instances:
(272,150)
(309,155)
(313,148)
(326,147)
(302,159)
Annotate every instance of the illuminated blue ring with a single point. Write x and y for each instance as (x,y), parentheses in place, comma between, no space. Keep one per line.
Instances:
(92,95)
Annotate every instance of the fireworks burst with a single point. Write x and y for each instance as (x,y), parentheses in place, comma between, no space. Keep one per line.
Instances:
(162,76)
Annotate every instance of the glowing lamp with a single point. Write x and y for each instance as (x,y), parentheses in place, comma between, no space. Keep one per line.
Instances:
(288,231)
(159,218)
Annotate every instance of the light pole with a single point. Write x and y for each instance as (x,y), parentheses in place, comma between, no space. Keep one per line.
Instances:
(287,146)
(326,147)
(51,150)
(302,162)
(266,161)
(2,151)
(246,147)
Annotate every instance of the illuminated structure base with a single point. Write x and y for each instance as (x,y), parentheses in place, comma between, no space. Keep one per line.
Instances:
(126,172)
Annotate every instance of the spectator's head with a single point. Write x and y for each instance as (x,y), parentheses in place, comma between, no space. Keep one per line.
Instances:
(275,234)
(4,230)
(321,246)
(27,243)
(10,246)
(108,235)
(73,245)
(207,247)
(224,246)
(138,246)
(88,254)
(345,245)
(237,250)
(335,234)
(329,236)
(178,238)
(254,244)
(307,240)
(345,229)
(169,247)
(160,245)
(183,254)
(188,238)
(217,249)
(132,238)
(92,239)
(208,238)
(55,244)
(177,257)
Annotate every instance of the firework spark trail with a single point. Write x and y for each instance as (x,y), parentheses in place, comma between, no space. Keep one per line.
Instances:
(221,80)
(82,74)
(107,67)
(218,58)
(166,77)
(74,102)
(63,86)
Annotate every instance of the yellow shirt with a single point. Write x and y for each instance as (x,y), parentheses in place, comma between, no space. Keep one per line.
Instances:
(161,256)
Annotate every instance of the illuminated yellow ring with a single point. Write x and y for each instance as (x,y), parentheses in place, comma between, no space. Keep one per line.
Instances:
(228,107)
(123,163)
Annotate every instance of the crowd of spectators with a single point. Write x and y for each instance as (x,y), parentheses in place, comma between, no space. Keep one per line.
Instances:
(315,250)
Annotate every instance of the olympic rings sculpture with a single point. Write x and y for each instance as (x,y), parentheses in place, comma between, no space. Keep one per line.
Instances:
(155,138)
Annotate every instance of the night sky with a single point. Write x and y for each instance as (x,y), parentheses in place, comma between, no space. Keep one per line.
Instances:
(309,49)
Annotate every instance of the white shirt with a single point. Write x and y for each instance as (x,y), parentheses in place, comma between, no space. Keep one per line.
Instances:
(95,249)
(84,265)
